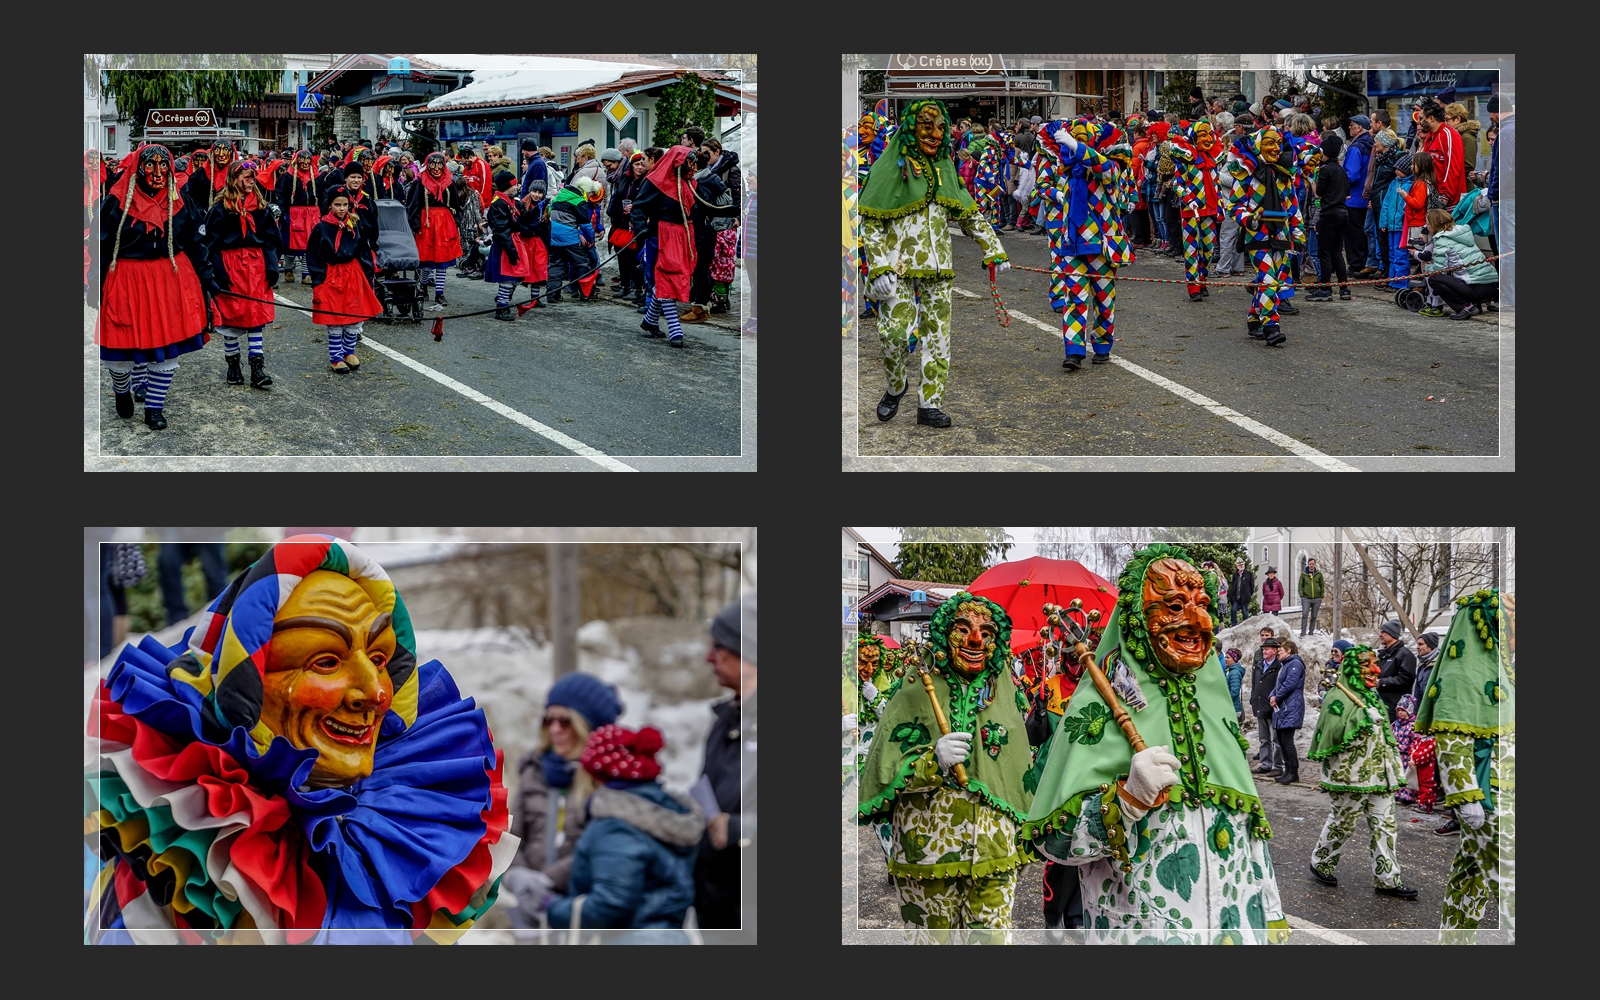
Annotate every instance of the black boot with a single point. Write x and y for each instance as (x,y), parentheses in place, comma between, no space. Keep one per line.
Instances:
(1288,308)
(1073,363)
(889,406)
(138,392)
(1196,297)
(1397,891)
(1324,879)
(1101,359)
(259,379)
(154,420)
(1254,326)
(650,329)
(506,313)
(932,417)
(124,404)
(1274,335)
(235,377)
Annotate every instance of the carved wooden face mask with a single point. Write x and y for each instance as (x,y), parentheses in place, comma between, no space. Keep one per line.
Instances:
(971,637)
(1369,669)
(930,130)
(868,129)
(867,658)
(327,685)
(1177,615)
(1271,145)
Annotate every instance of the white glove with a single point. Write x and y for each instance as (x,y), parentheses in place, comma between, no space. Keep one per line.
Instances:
(529,886)
(1065,138)
(1152,770)
(952,749)
(868,691)
(883,285)
(848,722)
(1001,265)
(1376,716)
(1471,814)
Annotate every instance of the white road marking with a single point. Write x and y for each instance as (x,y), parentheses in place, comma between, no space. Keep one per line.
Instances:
(594,455)
(1227,413)
(1317,930)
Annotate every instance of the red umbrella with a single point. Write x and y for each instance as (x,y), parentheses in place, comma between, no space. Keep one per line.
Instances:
(1025,586)
(889,643)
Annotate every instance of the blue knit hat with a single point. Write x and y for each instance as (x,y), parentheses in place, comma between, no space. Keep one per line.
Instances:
(1343,644)
(589,696)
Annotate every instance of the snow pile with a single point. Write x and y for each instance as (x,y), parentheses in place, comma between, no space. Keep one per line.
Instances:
(1314,649)
(526,78)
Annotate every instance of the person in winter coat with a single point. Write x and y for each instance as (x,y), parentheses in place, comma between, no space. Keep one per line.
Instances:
(1464,291)
(1399,666)
(339,257)
(1288,707)
(550,810)
(1442,142)
(725,250)
(1354,161)
(1455,115)
(662,211)
(630,181)
(1271,592)
(1263,677)
(1311,584)
(430,208)
(470,223)
(1380,174)
(633,866)
(153,265)
(242,239)
(571,236)
(1391,222)
(1241,589)
(1427,652)
(1235,674)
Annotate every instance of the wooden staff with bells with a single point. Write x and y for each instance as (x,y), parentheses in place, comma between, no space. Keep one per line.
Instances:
(1060,620)
(919,657)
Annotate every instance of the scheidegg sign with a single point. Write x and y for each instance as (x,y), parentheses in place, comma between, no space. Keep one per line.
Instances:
(179,118)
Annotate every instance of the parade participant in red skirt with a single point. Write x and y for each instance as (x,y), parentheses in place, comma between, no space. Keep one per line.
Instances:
(153,265)
(339,254)
(206,179)
(514,256)
(242,236)
(661,210)
(384,182)
(430,209)
(361,205)
(297,201)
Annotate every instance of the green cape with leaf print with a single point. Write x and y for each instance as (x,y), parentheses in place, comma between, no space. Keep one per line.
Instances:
(1469,690)
(1089,749)
(1000,755)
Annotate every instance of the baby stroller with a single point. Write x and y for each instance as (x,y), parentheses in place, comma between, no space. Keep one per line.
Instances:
(398,283)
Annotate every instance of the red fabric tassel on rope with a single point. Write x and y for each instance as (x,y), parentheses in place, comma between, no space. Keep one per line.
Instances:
(522,308)
(438,328)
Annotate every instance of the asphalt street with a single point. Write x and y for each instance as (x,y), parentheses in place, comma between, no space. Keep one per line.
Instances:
(1323,914)
(581,370)
(1353,378)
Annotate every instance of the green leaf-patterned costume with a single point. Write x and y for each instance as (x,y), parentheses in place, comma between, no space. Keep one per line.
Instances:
(906,206)
(953,851)
(1200,871)
(1470,710)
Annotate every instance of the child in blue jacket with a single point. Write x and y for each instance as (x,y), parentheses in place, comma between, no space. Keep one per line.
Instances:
(1391,220)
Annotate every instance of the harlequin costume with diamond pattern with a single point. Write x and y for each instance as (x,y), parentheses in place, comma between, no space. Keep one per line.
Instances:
(906,207)
(1470,710)
(1361,770)
(1087,240)
(1200,871)
(954,851)
(1263,200)
(1198,208)
(209,827)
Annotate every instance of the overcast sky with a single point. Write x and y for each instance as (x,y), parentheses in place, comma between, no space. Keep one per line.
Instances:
(887,541)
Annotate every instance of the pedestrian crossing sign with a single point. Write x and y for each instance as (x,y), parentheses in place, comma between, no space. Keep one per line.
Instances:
(617,110)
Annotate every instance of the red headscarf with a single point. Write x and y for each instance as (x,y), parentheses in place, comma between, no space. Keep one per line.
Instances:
(149,209)
(248,204)
(614,752)
(437,188)
(267,176)
(665,179)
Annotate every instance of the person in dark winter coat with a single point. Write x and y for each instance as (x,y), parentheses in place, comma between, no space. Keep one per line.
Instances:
(1399,666)
(633,865)
(1288,704)
(1241,588)
(1262,679)
(1234,671)
(550,809)
(1272,592)
(729,766)
(1428,651)
(630,181)
(516,255)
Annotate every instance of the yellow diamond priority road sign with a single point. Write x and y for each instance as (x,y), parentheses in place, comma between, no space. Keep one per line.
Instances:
(617,110)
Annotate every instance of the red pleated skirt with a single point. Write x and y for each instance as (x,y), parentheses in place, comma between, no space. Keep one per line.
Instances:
(247,271)
(674,265)
(540,269)
(438,240)
(146,305)
(344,290)
(302,219)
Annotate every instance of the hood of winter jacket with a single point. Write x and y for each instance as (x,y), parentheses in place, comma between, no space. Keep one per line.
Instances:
(1470,127)
(672,819)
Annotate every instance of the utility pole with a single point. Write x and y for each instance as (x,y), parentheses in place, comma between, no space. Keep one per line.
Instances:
(563,563)
(1338,589)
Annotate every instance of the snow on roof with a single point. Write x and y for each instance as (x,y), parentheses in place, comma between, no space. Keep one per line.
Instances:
(526,78)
